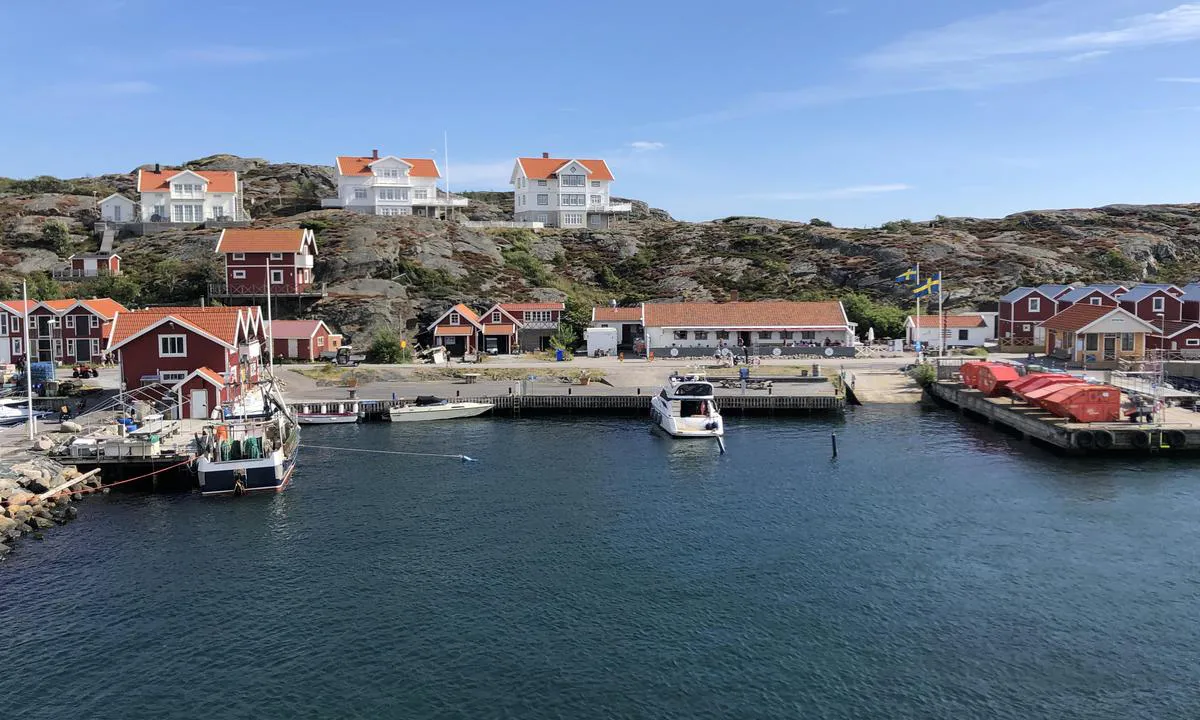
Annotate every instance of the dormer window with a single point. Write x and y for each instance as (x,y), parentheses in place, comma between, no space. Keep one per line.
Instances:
(571,180)
(455,319)
(1096,300)
(496,316)
(389,172)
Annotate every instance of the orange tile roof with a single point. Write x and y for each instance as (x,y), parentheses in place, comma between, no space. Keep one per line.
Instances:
(104,307)
(466,312)
(219,181)
(18,306)
(421,167)
(59,305)
(106,330)
(950,321)
(454,330)
(766,314)
(521,307)
(295,329)
(243,240)
(219,322)
(545,168)
(216,377)
(499,329)
(1079,316)
(620,314)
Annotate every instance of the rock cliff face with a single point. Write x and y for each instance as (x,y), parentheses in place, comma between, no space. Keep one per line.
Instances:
(397,272)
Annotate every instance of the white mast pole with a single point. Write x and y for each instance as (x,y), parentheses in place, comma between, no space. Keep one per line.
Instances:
(941,318)
(919,321)
(446,160)
(31,422)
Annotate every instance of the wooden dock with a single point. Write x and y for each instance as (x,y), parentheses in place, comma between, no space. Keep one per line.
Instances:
(522,405)
(1179,433)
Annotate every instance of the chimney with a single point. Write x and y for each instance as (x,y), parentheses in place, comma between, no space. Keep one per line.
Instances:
(157,168)
(374,154)
(733,296)
(545,156)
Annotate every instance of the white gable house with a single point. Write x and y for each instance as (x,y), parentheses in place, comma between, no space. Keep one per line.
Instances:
(118,209)
(564,192)
(390,185)
(190,196)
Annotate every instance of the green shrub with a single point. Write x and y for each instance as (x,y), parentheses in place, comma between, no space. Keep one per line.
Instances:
(818,222)
(386,348)
(924,374)
(57,237)
(888,320)
(315,224)
(976,352)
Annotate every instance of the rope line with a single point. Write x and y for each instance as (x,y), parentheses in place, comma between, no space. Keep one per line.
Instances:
(464,458)
(84,491)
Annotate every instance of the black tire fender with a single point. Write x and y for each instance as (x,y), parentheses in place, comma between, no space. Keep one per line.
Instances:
(1104,439)
(1085,439)
(1176,439)
(1141,440)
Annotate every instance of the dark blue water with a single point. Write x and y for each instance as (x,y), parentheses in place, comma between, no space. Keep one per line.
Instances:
(592,569)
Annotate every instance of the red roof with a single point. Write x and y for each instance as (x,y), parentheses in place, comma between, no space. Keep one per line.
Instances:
(500,329)
(243,240)
(421,167)
(521,307)
(219,322)
(620,314)
(18,306)
(59,306)
(766,314)
(219,181)
(949,321)
(295,329)
(454,330)
(545,168)
(106,308)
(1078,316)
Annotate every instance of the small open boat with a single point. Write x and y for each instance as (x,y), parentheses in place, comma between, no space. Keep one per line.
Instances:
(329,413)
(427,407)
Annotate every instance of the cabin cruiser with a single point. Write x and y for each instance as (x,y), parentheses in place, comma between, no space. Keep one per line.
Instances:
(427,407)
(685,408)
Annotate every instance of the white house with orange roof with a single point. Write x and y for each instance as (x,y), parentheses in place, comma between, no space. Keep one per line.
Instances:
(768,327)
(564,192)
(172,195)
(390,185)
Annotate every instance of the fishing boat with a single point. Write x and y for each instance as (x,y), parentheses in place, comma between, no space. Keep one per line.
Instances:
(329,413)
(427,407)
(13,412)
(241,455)
(686,408)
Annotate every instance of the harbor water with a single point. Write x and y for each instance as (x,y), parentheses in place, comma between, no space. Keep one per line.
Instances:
(591,568)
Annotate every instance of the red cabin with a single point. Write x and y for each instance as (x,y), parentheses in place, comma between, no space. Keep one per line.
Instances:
(70,331)
(302,339)
(1154,303)
(994,379)
(1024,308)
(1085,403)
(256,259)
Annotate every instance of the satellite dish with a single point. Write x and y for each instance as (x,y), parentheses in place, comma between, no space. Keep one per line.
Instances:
(674,352)
(776,352)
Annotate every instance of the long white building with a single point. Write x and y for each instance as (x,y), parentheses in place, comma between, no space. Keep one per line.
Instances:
(390,185)
(179,196)
(564,192)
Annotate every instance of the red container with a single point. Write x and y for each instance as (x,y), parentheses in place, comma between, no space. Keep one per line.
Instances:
(1029,383)
(970,372)
(994,379)
(1036,396)
(1085,403)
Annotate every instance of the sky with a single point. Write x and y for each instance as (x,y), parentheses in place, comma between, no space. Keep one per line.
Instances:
(854,111)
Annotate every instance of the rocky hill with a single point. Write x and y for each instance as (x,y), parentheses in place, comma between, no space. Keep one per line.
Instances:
(396,272)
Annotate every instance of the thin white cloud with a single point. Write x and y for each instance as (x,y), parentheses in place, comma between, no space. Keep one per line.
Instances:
(1184,80)
(238,55)
(843,193)
(1086,56)
(645,145)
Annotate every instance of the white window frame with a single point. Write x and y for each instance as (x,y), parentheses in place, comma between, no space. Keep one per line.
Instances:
(94,346)
(16,346)
(543,199)
(572,199)
(1026,327)
(172,376)
(455,319)
(1158,304)
(1192,342)
(542,217)
(572,181)
(93,321)
(58,347)
(595,183)
(167,343)
(572,218)
(239,274)
(276,274)
(239,256)
(681,335)
(1096,300)
(360,193)
(277,256)
(597,199)
(69,321)
(421,193)
(1035,304)
(72,348)
(496,318)
(16,325)
(542,183)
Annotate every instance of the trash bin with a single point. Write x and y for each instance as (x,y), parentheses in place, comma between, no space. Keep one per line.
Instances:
(558,355)
(744,373)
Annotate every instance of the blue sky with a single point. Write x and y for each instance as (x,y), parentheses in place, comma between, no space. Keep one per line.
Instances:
(857,111)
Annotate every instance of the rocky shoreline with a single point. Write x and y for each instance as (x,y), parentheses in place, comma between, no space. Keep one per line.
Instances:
(24,479)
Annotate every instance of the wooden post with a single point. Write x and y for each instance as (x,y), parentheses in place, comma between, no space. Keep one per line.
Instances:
(833,439)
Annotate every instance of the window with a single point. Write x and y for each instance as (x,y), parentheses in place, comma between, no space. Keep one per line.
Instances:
(595,183)
(543,199)
(239,256)
(571,199)
(93,321)
(1159,304)
(1026,327)
(421,193)
(681,334)
(218,212)
(239,274)
(172,376)
(808,335)
(1193,342)
(394,211)
(541,217)
(765,334)
(1096,300)
(597,199)
(455,319)
(172,346)
(69,321)
(388,172)
(95,343)
(3,323)
(1035,304)
(541,183)
(58,348)
(722,334)
(276,277)
(542,316)
(571,180)
(16,346)
(320,341)
(496,316)
(71,347)
(160,211)
(1127,340)
(964,334)
(1091,342)
(785,334)
(187,213)
(572,219)
(701,334)
(360,193)
(276,256)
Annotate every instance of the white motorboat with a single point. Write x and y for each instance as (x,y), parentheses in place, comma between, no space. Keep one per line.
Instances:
(685,408)
(431,408)
(14,412)
(329,413)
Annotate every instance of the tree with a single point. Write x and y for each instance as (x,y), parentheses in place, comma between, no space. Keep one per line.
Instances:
(386,348)
(43,287)
(888,320)
(818,222)
(307,189)
(122,288)
(565,338)
(57,237)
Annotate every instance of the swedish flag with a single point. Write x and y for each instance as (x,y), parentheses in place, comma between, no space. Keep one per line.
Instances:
(932,285)
(909,274)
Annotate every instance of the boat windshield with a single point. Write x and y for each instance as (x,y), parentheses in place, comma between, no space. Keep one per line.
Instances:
(693,389)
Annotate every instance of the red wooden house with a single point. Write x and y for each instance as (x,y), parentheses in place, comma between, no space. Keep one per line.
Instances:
(254,259)
(1103,295)
(458,330)
(1154,303)
(302,339)
(500,331)
(12,325)
(1177,336)
(71,331)
(1024,309)
(205,356)
(537,322)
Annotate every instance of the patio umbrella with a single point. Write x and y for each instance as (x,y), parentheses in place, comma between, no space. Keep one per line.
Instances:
(871,335)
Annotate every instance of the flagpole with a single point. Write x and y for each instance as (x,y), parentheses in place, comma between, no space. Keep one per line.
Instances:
(919,322)
(30,422)
(941,318)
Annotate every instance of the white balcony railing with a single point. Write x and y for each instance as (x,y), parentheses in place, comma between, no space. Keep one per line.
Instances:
(388,181)
(610,207)
(441,202)
(304,261)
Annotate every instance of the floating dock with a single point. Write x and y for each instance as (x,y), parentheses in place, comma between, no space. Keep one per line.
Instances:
(1179,432)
